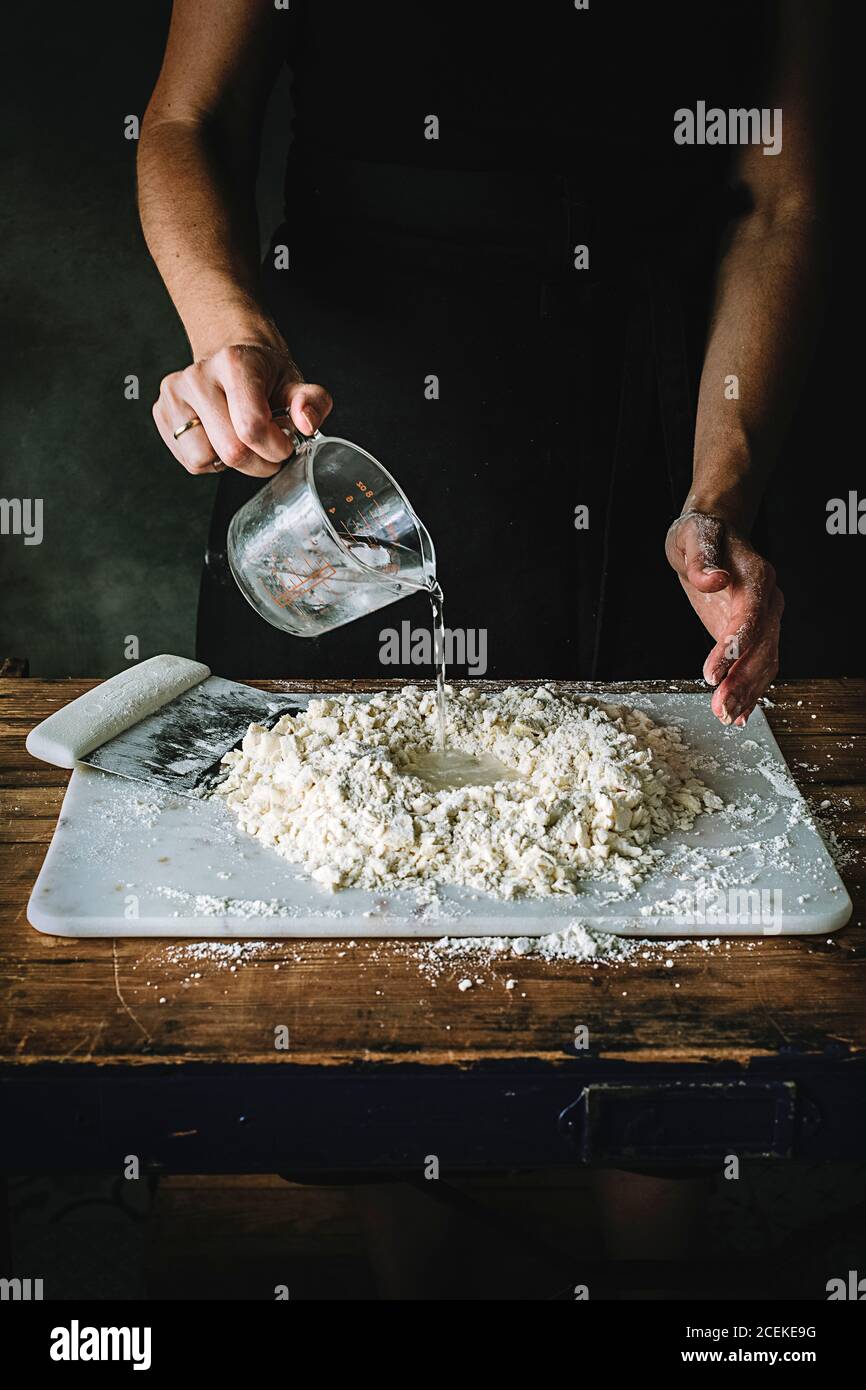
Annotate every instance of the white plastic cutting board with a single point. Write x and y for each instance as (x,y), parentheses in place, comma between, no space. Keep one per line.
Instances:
(127,860)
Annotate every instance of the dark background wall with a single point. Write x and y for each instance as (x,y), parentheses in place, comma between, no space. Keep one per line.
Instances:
(83,308)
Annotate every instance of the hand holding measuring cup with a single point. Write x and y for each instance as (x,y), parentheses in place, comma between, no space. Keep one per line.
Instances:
(216,413)
(331,536)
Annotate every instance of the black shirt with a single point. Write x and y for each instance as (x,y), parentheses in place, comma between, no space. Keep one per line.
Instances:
(590,94)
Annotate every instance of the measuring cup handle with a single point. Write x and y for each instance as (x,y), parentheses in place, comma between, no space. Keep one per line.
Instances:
(297,439)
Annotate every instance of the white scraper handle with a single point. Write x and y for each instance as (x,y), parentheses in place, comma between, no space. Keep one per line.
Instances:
(112,707)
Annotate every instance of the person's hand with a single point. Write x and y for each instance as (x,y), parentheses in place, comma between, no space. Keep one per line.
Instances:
(232,393)
(733,590)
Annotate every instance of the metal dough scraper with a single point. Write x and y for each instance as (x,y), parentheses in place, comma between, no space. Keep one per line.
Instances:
(167,721)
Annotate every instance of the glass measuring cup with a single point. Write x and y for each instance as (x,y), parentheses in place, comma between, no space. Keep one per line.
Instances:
(327,539)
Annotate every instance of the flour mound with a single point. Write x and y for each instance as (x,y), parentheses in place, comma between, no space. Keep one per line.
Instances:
(332,788)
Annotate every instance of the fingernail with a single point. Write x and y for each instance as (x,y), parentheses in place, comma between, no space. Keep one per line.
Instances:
(741,722)
(309,423)
(714,569)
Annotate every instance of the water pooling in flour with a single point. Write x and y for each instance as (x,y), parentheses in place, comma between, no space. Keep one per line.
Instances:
(437,606)
(443,767)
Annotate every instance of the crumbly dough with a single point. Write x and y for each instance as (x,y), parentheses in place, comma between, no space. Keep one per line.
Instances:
(332,788)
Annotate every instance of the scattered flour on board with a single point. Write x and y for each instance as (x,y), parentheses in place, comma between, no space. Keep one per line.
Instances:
(592,785)
(452,958)
(210,905)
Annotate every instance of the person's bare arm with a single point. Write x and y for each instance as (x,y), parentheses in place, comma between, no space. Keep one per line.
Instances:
(197,165)
(767,295)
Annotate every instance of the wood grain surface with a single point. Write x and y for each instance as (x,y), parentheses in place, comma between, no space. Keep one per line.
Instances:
(129,1002)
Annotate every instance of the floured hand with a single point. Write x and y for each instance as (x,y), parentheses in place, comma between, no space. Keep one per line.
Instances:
(733,590)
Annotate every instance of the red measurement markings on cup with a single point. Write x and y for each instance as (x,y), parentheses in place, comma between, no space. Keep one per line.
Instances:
(371,521)
(286,594)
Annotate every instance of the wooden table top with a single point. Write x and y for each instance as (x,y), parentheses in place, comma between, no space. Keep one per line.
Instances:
(139,1002)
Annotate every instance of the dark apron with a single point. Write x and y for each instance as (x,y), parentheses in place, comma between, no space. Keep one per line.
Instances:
(558,388)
